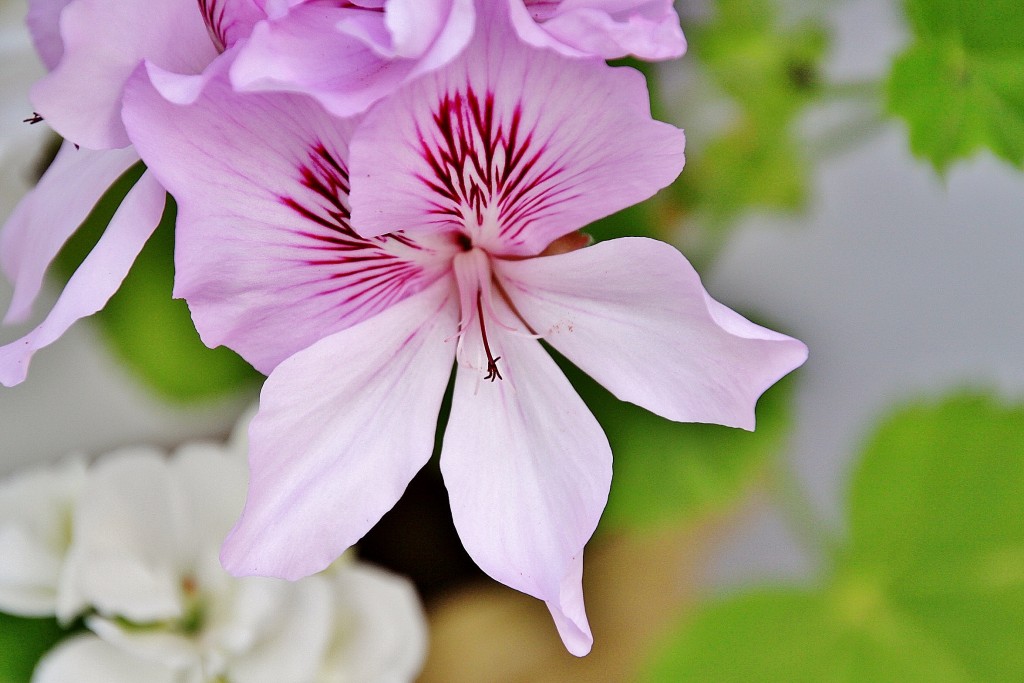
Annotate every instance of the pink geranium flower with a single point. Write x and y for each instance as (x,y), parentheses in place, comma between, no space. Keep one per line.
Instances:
(462,185)
(91,47)
(350,54)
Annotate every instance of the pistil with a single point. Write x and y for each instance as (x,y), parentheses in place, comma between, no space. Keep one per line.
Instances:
(492,361)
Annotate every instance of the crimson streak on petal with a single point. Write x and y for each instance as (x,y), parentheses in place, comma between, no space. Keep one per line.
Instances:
(491,177)
(368,274)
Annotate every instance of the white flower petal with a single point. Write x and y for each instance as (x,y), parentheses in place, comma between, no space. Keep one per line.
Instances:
(380,631)
(35,531)
(87,659)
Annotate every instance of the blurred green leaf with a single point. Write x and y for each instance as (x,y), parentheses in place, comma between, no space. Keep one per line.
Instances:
(789,636)
(937,513)
(960,85)
(22,643)
(746,167)
(667,472)
(930,587)
(771,73)
(147,329)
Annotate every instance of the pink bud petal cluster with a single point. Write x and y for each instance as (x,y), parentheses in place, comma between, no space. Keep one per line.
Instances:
(369,194)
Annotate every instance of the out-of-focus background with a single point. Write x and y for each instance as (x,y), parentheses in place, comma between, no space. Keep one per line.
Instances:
(854,180)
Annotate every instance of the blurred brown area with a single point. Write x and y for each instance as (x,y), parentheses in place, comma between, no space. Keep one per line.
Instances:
(636,586)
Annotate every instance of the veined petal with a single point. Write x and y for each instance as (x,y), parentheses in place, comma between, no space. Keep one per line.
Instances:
(229,21)
(47,216)
(343,426)
(517,146)
(633,315)
(96,280)
(648,29)
(264,252)
(345,57)
(104,40)
(528,470)
(87,659)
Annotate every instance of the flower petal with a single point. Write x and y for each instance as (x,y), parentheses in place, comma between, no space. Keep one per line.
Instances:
(50,214)
(633,315)
(380,632)
(343,426)
(264,252)
(35,530)
(127,559)
(87,659)
(610,29)
(338,56)
(104,40)
(44,23)
(293,638)
(518,146)
(528,470)
(96,279)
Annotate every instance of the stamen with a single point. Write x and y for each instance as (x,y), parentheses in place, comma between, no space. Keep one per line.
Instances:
(34,119)
(492,362)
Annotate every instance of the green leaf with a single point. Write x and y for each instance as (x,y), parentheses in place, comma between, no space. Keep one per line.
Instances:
(938,514)
(147,329)
(744,168)
(22,643)
(667,472)
(960,85)
(770,71)
(930,587)
(788,636)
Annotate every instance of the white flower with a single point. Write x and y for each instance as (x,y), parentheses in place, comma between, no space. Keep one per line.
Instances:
(35,533)
(131,545)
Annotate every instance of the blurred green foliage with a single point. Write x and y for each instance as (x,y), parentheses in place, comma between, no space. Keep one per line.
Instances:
(147,329)
(771,73)
(22,643)
(960,84)
(930,586)
(667,472)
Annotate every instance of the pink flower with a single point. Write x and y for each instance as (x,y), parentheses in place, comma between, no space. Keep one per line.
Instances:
(648,29)
(350,54)
(100,42)
(459,182)
(91,47)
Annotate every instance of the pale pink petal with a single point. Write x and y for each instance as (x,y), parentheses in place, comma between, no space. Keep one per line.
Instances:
(433,32)
(44,24)
(230,21)
(104,40)
(343,426)
(633,314)
(264,252)
(87,659)
(96,279)
(648,29)
(518,146)
(47,216)
(347,57)
(528,470)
